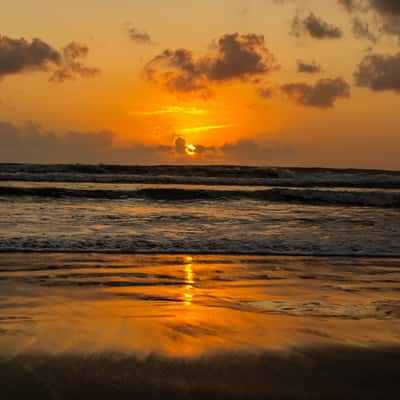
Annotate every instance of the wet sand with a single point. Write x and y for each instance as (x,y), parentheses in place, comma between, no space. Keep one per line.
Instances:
(113,326)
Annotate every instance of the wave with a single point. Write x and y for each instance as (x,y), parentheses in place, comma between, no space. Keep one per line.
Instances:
(202,175)
(141,170)
(384,199)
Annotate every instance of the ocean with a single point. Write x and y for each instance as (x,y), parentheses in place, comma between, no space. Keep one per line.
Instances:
(198,282)
(205,210)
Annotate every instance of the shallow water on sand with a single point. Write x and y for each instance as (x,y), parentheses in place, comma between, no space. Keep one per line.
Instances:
(194,305)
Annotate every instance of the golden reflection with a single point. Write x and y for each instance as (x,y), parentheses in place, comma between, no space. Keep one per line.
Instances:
(189,281)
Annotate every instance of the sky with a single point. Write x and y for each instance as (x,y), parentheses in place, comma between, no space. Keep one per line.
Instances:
(260,82)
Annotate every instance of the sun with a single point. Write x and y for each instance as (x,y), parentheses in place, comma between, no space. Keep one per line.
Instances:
(190,150)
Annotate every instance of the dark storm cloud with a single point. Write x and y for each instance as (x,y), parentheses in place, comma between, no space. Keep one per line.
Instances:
(308,67)
(379,72)
(315,27)
(323,94)
(20,55)
(235,57)
(71,66)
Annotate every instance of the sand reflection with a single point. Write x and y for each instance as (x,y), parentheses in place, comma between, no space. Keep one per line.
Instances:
(190,306)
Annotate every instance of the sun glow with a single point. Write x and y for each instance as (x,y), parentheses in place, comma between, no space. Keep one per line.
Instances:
(173,110)
(190,150)
(204,128)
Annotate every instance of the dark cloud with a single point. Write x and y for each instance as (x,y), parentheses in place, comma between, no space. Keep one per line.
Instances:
(308,68)
(391,25)
(139,37)
(32,144)
(386,11)
(71,66)
(347,4)
(361,30)
(35,145)
(388,7)
(315,27)
(181,147)
(323,94)
(20,55)
(266,92)
(240,56)
(379,72)
(351,5)
(250,151)
(235,57)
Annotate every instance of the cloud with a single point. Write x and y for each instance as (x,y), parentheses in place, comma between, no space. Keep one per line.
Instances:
(32,144)
(314,27)
(180,145)
(323,94)
(71,66)
(20,55)
(351,5)
(379,72)
(236,57)
(182,148)
(250,151)
(361,30)
(388,7)
(308,68)
(266,92)
(386,13)
(390,13)
(139,37)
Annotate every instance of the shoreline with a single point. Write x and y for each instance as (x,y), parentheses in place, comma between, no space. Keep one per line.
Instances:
(340,372)
(200,253)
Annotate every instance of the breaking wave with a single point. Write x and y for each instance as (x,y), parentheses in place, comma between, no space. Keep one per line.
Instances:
(202,175)
(386,199)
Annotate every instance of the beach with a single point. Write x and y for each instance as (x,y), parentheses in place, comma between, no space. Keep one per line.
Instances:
(156,324)
(200,289)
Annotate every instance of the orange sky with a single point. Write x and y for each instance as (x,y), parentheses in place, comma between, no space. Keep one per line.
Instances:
(229,83)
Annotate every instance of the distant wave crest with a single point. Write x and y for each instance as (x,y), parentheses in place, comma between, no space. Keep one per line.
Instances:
(387,199)
(202,175)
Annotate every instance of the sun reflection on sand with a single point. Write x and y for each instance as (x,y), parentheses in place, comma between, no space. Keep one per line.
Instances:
(189,281)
